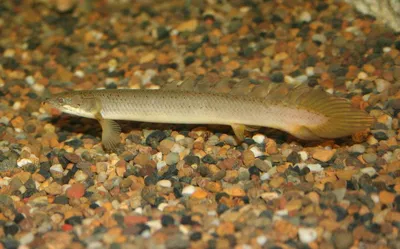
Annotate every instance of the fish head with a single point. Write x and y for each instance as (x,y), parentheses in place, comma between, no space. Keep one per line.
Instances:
(75,103)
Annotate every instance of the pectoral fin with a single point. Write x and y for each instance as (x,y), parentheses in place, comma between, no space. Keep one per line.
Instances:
(111,131)
(239,130)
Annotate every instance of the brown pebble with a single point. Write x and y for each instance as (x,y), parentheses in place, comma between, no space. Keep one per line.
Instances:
(77,190)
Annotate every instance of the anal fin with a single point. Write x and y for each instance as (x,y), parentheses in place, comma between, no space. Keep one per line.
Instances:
(111,131)
(305,133)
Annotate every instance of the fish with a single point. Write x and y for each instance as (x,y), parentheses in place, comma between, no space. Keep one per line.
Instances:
(304,112)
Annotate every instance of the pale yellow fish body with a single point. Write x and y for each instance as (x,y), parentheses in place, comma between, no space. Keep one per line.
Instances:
(303,112)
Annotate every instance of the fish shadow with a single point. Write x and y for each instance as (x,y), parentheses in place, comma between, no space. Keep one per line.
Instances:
(69,124)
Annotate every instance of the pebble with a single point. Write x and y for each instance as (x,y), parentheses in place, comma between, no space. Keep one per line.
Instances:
(54,189)
(305,16)
(77,190)
(188,190)
(323,155)
(256,151)
(172,158)
(357,148)
(57,170)
(382,85)
(307,235)
(342,239)
(161,165)
(315,167)
(370,157)
(164,183)
(259,138)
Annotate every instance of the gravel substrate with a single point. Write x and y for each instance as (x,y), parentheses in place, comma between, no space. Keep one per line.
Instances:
(176,186)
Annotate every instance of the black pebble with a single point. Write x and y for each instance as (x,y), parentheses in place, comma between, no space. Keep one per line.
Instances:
(93,205)
(397,44)
(293,157)
(219,195)
(222,208)
(380,136)
(266,214)
(100,230)
(277,77)
(208,159)
(10,243)
(74,220)
(397,203)
(111,86)
(177,193)
(253,170)
(10,63)
(322,6)
(190,160)
(196,236)
(189,60)
(167,220)
(341,213)
(151,180)
(186,220)
(162,33)
(18,218)
(11,229)
(154,138)
(75,143)
(61,199)
(159,200)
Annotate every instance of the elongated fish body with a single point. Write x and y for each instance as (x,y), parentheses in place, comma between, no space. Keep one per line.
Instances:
(200,108)
(303,112)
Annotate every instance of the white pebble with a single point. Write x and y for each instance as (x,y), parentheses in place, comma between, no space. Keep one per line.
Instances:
(307,235)
(362,75)
(375,198)
(24,161)
(4,120)
(179,137)
(310,71)
(269,196)
(305,16)
(162,206)
(315,167)
(30,80)
(301,78)
(256,151)
(261,240)
(38,88)
(57,168)
(382,85)
(188,190)
(289,79)
(164,183)
(264,176)
(79,74)
(9,53)
(26,239)
(17,105)
(177,148)
(161,164)
(387,49)
(157,157)
(259,138)
(369,171)
(303,155)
